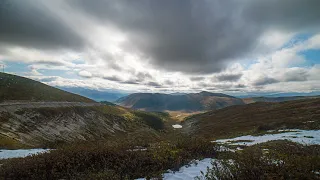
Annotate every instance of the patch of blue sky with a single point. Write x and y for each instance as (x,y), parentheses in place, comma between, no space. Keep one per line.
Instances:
(78,61)
(16,67)
(312,56)
(22,69)
(296,39)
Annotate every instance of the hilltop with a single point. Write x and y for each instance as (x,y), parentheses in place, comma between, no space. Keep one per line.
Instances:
(181,102)
(17,88)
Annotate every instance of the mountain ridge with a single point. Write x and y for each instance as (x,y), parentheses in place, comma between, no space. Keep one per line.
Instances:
(183,102)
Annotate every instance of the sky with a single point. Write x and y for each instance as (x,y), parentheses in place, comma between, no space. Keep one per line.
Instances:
(232,46)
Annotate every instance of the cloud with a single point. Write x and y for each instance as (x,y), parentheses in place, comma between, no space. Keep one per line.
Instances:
(85,74)
(202,36)
(130,81)
(142,44)
(112,78)
(31,24)
(296,74)
(264,81)
(155,84)
(197,78)
(143,76)
(168,82)
(229,77)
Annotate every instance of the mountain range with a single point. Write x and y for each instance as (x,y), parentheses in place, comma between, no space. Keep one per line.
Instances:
(202,101)
(97,95)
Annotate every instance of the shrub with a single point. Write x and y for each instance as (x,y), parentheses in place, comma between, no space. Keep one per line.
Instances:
(283,160)
(107,161)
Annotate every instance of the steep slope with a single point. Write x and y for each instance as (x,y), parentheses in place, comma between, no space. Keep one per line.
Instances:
(186,102)
(16,88)
(39,126)
(276,99)
(256,117)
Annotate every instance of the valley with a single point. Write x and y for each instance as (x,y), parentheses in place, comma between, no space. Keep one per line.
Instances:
(161,135)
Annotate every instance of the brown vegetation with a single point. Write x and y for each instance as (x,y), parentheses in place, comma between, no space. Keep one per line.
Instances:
(255,118)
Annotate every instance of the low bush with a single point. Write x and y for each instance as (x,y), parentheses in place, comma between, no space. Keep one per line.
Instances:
(107,161)
(273,160)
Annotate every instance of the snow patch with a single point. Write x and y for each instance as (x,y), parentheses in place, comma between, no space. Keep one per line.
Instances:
(177,126)
(307,137)
(5,154)
(188,172)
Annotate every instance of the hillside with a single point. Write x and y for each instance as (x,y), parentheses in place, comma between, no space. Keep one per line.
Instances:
(48,126)
(276,99)
(33,114)
(185,102)
(255,118)
(16,88)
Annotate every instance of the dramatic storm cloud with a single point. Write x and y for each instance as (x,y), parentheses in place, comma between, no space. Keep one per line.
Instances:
(165,45)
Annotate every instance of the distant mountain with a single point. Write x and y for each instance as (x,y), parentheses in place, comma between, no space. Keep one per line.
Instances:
(284,94)
(95,94)
(17,88)
(185,102)
(276,99)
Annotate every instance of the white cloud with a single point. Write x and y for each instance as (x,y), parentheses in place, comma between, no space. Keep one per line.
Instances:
(85,74)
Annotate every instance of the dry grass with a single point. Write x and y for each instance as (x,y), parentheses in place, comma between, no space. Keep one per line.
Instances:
(256,118)
(179,116)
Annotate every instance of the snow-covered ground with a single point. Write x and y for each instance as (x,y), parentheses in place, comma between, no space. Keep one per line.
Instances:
(188,172)
(307,137)
(300,136)
(5,154)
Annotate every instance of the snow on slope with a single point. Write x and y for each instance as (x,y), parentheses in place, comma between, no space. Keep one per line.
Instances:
(307,137)
(5,154)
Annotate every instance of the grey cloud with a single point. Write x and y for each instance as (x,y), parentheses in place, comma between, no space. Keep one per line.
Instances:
(264,81)
(229,77)
(200,36)
(240,86)
(143,76)
(223,86)
(26,23)
(115,66)
(285,15)
(154,84)
(197,78)
(168,82)
(296,75)
(204,85)
(112,78)
(188,36)
(131,81)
